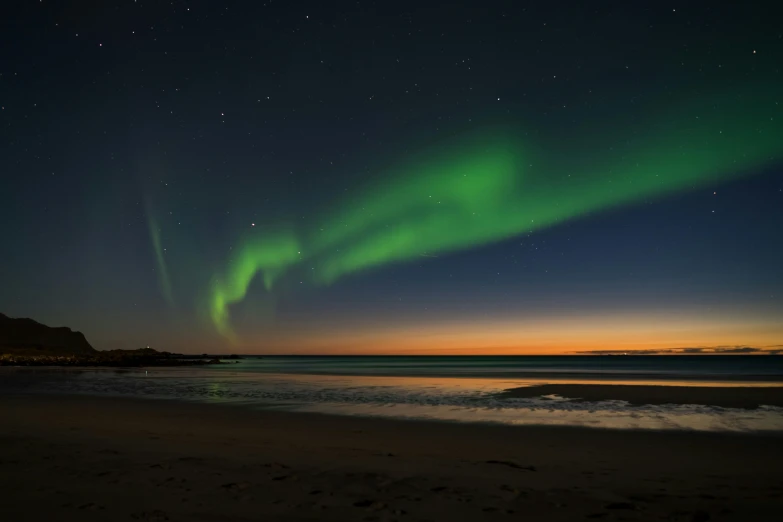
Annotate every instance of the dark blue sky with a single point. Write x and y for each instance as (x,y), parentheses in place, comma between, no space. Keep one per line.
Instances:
(209,116)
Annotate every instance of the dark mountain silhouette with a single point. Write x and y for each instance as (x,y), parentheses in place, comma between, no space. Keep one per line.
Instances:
(31,337)
(24,342)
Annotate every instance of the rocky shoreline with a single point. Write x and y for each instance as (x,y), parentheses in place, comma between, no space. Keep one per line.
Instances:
(113,358)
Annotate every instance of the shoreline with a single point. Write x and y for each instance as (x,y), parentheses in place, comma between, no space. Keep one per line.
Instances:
(624,376)
(770,380)
(76,458)
(645,406)
(402,414)
(7,361)
(267,411)
(741,397)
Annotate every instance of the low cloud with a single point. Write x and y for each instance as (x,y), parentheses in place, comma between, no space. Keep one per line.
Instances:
(693,350)
(743,349)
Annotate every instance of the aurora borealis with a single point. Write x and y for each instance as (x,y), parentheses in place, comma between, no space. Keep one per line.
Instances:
(492,190)
(496,178)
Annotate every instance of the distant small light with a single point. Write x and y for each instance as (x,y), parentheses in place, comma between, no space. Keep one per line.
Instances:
(252,224)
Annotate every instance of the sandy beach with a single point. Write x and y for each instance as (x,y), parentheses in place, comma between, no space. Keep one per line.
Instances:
(87,458)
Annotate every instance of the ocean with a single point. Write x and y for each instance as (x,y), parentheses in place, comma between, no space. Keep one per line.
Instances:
(457,389)
(682,367)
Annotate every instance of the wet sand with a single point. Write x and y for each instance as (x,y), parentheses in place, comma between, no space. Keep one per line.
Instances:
(89,459)
(722,396)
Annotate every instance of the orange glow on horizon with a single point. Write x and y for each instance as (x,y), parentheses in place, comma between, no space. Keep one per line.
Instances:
(548,336)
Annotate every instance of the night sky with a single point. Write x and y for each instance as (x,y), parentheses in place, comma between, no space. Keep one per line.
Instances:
(394,177)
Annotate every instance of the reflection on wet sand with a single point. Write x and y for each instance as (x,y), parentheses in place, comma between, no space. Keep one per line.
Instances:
(748,397)
(702,405)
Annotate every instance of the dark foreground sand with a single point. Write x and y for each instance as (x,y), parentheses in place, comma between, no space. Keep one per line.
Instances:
(87,459)
(725,397)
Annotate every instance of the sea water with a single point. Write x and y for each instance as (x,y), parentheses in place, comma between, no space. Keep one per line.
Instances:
(461,389)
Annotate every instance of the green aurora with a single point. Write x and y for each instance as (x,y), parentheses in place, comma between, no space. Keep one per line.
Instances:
(501,184)
(162,268)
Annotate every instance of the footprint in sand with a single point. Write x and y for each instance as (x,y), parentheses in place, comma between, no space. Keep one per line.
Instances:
(191,459)
(151,516)
(622,505)
(511,464)
(236,486)
(91,506)
(371,505)
(276,465)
